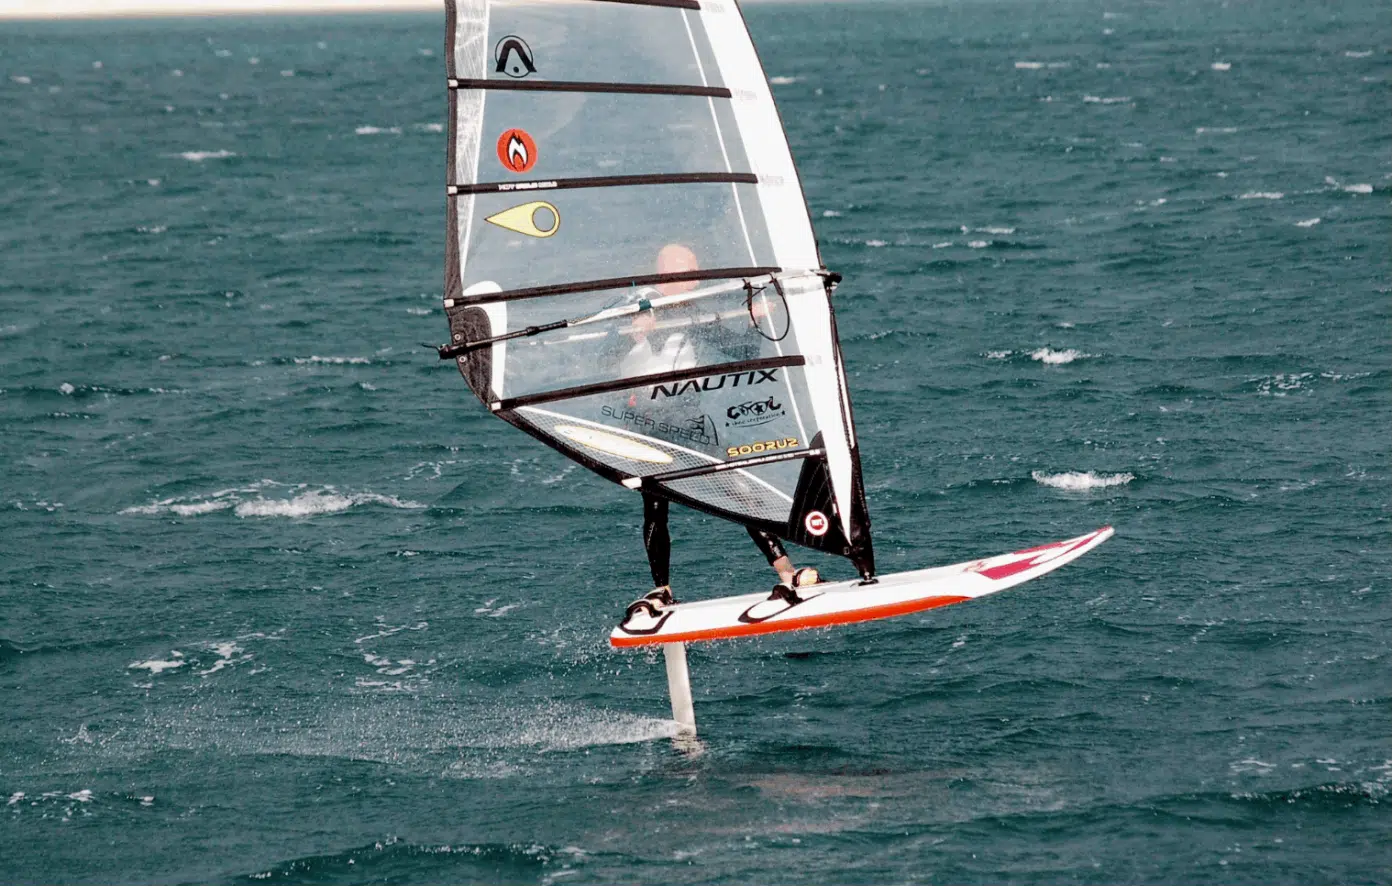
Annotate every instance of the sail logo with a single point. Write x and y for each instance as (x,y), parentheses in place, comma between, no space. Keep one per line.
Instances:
(517,150)
(714,383)
(816,523)
(512,56)
(753,412)
(535,219)
(763,446)
(698,430)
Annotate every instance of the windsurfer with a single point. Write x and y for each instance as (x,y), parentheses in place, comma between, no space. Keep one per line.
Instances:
(678,351)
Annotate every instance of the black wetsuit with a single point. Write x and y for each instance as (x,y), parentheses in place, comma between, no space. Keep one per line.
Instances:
(732,344)
(659,545)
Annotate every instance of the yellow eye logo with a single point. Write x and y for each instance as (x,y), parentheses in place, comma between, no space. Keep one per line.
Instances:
(529,219)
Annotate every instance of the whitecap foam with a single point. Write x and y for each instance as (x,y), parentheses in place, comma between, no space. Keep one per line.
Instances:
(782,81)
(1221,66)
(1223,130)
(1262,195)
(989,229)
(1029,66)
(227,655)
(978,244)
(315,358)
(66,388)
(1279,384)
(1106,100)
(830,214)
(251,502)
(155,666)
(1308,223)
(1358,53)
(200,156)
(876,243)
(325,501)
(368,130)
(997,355)
(1079,481)
(431,127)
(1359,189)
(1053,357)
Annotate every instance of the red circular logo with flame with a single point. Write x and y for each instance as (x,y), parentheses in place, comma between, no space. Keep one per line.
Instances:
(517,151)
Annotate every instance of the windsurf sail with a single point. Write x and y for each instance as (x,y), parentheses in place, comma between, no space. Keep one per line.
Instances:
(631,274)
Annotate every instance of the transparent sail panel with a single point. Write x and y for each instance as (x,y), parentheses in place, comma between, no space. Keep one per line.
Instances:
(530,136)
(594,41)
(548,237)
(718,418)
(722,328)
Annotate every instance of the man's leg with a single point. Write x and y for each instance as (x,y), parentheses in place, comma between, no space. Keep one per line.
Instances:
(774,553)
(655,538)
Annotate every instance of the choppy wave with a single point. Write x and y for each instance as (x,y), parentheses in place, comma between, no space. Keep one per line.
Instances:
(200,156)
(300,501)
(1262,195)
(394,861)
(1079,481)
(337,361)
(1057,358)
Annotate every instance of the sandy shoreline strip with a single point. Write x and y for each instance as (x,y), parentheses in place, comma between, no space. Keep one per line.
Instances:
(99,9)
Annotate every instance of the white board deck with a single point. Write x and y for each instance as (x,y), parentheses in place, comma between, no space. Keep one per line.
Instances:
(842,603)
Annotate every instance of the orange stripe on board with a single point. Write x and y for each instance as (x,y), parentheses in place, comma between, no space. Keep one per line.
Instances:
(742,630)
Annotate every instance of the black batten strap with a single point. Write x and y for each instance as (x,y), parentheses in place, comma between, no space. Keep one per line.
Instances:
(612,283)
(719,369)
(685,473)
(714,92)
(676,178)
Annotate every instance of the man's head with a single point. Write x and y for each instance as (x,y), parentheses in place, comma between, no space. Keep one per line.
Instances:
(675,259)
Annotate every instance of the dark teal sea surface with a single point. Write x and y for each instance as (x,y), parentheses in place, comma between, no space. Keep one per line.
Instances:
(280,602)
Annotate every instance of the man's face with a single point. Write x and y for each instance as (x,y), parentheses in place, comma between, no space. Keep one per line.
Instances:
(675,259)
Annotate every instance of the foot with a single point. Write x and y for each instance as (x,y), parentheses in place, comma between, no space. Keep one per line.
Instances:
(647,612)
(662,596)
(784,592)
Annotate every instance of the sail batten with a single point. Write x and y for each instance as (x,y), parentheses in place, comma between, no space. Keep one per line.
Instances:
(595,86)
(630,249)
(633,280)
(678,178)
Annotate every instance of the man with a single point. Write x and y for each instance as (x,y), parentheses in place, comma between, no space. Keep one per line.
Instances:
(677,351)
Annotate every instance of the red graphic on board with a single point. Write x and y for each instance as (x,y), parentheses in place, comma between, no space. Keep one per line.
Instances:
(517,151)
(816,523)
(1033,557)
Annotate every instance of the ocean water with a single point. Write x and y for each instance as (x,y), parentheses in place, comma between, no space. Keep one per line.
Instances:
(279,602)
